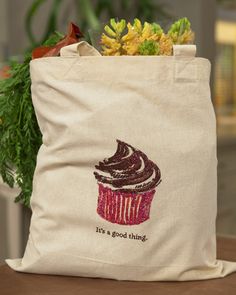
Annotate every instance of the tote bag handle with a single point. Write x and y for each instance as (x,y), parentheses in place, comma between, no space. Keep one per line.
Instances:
(184,50)
(186,70)
(79,49)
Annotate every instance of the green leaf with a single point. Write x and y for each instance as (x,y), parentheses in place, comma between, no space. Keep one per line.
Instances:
(20,136)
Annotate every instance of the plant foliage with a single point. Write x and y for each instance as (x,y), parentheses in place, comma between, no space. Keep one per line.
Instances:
(20,137)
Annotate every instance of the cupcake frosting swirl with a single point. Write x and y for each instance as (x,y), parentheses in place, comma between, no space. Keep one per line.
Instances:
(128,170)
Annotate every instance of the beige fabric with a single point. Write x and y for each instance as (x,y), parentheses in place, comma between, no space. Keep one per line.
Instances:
(184,50)
(159,105)
(79,49)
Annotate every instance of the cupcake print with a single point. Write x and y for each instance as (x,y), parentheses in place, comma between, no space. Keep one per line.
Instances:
(127,183)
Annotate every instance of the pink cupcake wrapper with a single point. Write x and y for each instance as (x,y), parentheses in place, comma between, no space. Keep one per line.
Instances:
(124,208)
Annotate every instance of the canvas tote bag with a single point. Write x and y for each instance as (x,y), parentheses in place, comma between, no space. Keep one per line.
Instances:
(125,184)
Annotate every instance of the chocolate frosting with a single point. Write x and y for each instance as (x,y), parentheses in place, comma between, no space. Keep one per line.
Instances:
(128,170)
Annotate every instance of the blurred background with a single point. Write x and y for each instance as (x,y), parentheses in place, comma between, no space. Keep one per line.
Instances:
(26,23)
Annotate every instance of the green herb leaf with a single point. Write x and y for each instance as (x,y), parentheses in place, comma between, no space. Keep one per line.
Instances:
(20,137)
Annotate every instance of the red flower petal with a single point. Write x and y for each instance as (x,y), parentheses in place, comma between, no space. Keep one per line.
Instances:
(73,36)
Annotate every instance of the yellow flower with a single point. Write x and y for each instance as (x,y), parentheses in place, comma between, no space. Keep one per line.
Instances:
(187,38)
(138,26)
(111,46)
(144,39)
(150,32)
(111,43)
(131,35)
(109,51)
(180,32)
(130,41)
(137,34)
(166,45)
(131,48)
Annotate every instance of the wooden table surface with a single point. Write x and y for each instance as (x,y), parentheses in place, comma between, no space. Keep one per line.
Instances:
(13,283)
